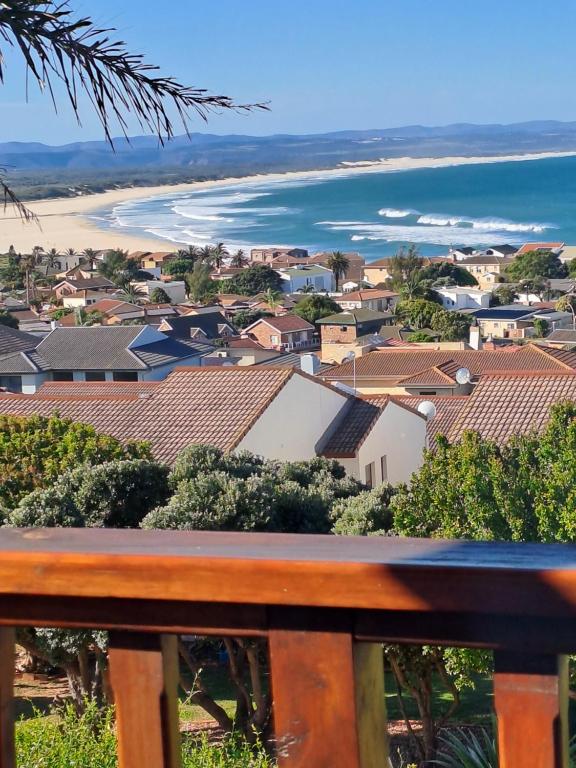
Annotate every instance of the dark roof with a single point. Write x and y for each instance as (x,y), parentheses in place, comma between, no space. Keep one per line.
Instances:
(465,249)
(498,313)
(354,317)
(12,340)
(283,360)
(208,322)
(561,334)
(506,249)
(357,421)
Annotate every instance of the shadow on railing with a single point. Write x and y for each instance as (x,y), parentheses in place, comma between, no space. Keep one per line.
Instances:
(324,603)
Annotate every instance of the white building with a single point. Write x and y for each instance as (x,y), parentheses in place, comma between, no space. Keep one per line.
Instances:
(302,276)
(458,297)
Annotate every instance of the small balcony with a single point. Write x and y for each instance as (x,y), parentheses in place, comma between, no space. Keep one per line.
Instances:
(324,603)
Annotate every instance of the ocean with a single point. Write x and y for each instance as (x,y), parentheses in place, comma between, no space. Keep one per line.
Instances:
(372,213)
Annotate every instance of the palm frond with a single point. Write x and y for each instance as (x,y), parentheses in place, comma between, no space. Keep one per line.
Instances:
(9,198)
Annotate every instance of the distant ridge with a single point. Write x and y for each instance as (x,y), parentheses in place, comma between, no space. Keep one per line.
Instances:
(40,170)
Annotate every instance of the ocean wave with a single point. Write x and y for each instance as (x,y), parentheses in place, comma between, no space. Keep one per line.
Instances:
(396,213)
(483,225)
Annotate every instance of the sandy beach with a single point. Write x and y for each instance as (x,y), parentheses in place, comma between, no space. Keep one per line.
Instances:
(63,223)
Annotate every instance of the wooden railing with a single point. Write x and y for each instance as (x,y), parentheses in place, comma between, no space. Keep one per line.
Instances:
(323,603)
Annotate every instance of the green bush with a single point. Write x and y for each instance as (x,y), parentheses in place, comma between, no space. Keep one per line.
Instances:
(89,741)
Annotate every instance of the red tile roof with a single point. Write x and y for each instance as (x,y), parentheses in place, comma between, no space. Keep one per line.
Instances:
(448,409)
(367,294)
(284,324)
(527,247)
(399,364)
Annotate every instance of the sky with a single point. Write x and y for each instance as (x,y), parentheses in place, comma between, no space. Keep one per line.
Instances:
(329,65)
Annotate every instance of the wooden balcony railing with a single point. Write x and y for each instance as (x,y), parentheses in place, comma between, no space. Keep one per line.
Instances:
(323,603)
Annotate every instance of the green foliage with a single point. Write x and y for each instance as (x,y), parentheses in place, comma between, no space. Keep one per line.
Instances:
(246,317)
(466,749)
(452,326)
(541,327)
(58,314)
(34,451)
(532,264)
(405,266)
(339,265)
(118,266)
(446,270)
(503,295)
(417,313)
(253,280)
(364,514)
(200,285)
(7,319)
(89,740)
(178,267)
(218,491)
(315,306)
(420,336)
(116,494)
(159,296)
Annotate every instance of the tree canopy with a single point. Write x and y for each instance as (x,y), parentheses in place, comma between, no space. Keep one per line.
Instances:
(532,264)
(314,306)
(253,280)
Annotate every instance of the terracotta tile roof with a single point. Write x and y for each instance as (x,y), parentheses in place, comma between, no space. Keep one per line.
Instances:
(401,363)
(243,343)
(438,375)
(448,409)
(366,295)
(68,389)
(284,324)
(214,406)
(356,423)
(538,247)
(502,406)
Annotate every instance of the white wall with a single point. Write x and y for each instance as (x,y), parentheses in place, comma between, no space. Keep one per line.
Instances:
(156,374)
(400,435)
(293,424)
(31,382)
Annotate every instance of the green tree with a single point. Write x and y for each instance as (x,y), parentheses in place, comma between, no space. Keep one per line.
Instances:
(417,313)
(420,337)
(179,267)
(253,280)
(7,319)
(452,326)
(159,296)
(246,317)
(503,295)
(339,265)
(90,257)
(536,264)
(405,265)
(117,265)
(34,451)
(131,293)
(239,260)
(541,327)
(446,270)
(315,306)
(200,285)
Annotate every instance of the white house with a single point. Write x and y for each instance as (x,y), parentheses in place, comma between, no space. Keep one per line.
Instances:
(176,289)
(302,276)
(457,297)
(277,413)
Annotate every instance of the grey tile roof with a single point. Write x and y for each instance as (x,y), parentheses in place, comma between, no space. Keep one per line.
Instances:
(12,340)
(17,363)
(209,323)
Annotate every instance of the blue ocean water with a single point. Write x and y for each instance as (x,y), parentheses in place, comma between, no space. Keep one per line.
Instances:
(372,213)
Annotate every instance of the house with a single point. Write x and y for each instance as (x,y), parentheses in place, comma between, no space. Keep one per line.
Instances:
(267,255)
(244,351)
(176,289)
(484,263)
(153,262)
(350,331)
(295,279)
(232,302)
(567,253)
(504,251)
(69,287)
(96,353)
(368,298)
(562,339)
(355,270)
(516,321)
(460,254)
(277,413)
(457,298)
(376,272)
(419,371)
(284,332)
(206,326)
(15,346)
(527,247)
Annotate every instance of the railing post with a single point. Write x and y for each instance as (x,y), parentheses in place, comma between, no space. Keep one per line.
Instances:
(531,700)
(144,677)
(328,699)
(7,661)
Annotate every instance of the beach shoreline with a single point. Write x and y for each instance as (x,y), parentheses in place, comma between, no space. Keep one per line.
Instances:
(65,223)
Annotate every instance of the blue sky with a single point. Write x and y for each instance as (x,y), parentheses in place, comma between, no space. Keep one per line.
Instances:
(329,65)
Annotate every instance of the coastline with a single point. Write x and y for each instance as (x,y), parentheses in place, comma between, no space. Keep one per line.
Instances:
(63,222)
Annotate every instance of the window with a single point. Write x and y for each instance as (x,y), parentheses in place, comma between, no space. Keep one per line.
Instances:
(125,376)
(11,383)
(427,392)
(344,328)
(63,376)
(95,376)
(274,340)
(369,472)
(384,468)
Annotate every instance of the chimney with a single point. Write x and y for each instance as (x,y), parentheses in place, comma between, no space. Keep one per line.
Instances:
(53,325)
(475,337)
(310,364)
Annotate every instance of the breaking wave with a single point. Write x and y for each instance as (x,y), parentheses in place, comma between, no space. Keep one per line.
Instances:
(396,213)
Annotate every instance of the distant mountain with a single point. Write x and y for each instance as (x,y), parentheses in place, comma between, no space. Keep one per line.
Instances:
(46,171)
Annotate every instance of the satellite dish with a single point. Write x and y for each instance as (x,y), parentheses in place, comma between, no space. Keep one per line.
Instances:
(463,376)
(427,409)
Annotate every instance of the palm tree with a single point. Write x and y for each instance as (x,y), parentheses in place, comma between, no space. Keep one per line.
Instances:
(307,289)
(192,253)
(239,260)
(132,294)
(51,259)
(89,254)
(219,253)
(78,55)
(339,265)
(272,298)
(205,254)
(85,317)
(70,251)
